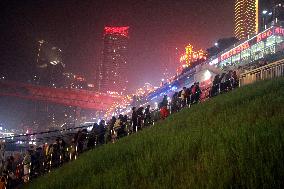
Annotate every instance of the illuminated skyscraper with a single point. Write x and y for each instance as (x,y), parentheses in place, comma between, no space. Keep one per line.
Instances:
(112,76)
(49,65)
(246,18)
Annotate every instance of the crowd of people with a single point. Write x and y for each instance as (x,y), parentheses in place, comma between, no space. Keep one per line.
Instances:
(19,169)
(224,82)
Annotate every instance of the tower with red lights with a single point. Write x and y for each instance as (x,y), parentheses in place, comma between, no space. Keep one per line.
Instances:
(112,76)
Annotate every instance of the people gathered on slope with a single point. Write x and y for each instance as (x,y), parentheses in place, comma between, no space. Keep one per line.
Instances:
(39,160)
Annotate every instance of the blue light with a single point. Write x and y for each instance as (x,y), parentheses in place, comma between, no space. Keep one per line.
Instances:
(174,88)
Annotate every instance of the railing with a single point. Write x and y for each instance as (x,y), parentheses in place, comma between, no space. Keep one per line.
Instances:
(270,71)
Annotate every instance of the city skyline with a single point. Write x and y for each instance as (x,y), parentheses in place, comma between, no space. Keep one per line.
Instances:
(141,94)
(153,26)
(157,29)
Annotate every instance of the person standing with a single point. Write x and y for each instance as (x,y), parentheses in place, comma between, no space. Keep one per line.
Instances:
(164,107)
(197,92)
(140,118)
(102,131)
(147,116)
(134,119)
(183,97)
(27,166)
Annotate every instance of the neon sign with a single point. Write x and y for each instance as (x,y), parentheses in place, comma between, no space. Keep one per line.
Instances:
(264,35)
(235,51)
(260,37)
(279,31)
(116,31)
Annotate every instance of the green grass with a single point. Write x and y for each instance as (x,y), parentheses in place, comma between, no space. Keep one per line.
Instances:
(235,140)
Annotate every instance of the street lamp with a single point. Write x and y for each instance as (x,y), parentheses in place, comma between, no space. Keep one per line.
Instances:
(264,12)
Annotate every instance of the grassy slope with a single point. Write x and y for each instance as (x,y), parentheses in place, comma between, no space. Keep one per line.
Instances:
(235,140)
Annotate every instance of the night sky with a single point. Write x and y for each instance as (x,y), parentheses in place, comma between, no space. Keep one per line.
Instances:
(156,28)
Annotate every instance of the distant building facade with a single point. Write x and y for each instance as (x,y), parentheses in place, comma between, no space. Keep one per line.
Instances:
(49,66)
(112,74)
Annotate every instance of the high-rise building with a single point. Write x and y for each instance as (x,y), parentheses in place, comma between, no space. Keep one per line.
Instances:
(246,18)
(49,65)
(112,76)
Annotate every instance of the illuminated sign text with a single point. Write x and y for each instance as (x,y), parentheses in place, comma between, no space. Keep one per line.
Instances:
(235,51)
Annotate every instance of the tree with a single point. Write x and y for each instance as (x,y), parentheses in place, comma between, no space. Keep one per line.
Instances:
(221,45)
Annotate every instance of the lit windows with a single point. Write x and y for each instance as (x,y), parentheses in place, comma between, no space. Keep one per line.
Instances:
(245,18)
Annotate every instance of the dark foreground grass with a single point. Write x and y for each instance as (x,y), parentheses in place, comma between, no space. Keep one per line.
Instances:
(235,140)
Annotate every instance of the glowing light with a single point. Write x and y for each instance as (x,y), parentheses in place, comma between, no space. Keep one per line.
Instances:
(156,105)
(264,35)
(190,56)
(207,75)
(264,11)
(235,51)
(123,31)
(55,62)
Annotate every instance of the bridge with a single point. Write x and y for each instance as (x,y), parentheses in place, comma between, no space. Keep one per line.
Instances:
(69,97)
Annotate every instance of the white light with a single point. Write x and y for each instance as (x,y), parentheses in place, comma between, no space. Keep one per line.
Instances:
(216,44)
(207,75)
(169,99)
(89,128)
(88,122)
(264,11)
(156,105)
(214,62)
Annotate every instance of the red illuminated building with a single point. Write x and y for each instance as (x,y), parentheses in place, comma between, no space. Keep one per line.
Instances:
(114,64)
(123,31)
